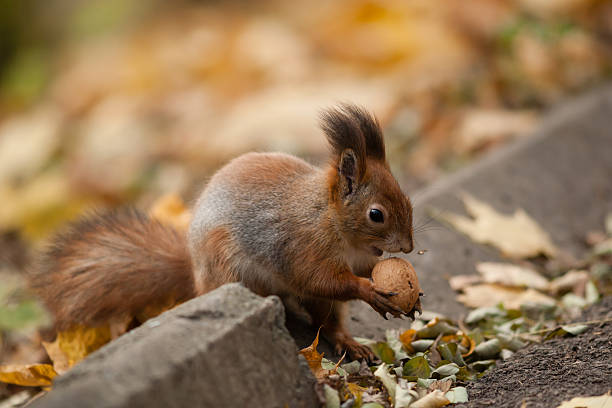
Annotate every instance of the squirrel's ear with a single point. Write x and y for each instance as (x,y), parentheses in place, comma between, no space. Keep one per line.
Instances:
(348,172)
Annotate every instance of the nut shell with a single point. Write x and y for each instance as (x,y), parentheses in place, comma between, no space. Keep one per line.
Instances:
(398,275)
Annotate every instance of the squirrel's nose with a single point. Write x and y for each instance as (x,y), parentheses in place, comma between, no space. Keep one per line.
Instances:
(407,248)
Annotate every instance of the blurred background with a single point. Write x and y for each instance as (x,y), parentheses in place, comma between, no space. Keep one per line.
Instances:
(105,102)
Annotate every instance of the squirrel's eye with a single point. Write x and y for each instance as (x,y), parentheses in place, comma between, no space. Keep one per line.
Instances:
(376,215)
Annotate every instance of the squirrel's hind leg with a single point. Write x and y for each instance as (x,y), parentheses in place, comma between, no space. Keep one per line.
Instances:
(329,315)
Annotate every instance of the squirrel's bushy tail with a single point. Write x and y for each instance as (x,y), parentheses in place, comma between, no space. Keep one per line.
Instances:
(113,265)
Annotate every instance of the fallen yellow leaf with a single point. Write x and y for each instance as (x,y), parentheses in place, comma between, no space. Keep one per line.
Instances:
(314,358)
(30,375)
(57,356)
(170,210)
(434,399)
(488,295)
(516,235)
(71,346)
(356,391)
(406,338)
(602,401)
(512,275)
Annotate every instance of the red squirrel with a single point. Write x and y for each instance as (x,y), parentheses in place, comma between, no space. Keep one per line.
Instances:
(272,221)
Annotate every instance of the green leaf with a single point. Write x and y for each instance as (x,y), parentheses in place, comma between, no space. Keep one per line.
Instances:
(450,352)
(482,365)
(425,382)
(372,405)
(332,399)
(488,349)
(446,370)
(417,367)
(440,327)
(566,330)
(575,330)
(476,335)
(510,341)
(383,352)
(465,374)
(482,313)
(422,345)
(457,395)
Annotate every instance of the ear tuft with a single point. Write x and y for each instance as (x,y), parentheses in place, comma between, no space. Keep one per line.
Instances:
(352,127)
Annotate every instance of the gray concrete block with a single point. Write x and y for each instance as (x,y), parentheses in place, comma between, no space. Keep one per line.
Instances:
(561,175)
(229,348)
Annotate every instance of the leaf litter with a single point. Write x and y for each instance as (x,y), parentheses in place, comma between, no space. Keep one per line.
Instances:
(430,364)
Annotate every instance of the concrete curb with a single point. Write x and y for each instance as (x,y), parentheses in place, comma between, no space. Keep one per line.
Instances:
(229,348)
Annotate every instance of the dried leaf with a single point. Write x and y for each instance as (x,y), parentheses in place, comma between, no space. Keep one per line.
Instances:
(388,381)
(404,394)
(511,275)
(457,395)
(471,345)
(482,127)
(406,339)
(459,282)
(57,356)
(442,385)
(434,399)
(356,390)
(71,346)
(170,209)
(516,235)
(574,281)
(489,295)
(30,375)
(314,358)
(602,401)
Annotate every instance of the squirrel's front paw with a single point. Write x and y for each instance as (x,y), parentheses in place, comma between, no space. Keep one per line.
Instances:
(379,299)
(357,351)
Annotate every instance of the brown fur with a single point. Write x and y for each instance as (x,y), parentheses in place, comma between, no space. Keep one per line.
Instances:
(113,265)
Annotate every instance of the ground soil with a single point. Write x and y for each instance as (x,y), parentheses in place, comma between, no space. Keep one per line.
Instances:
(546,374)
